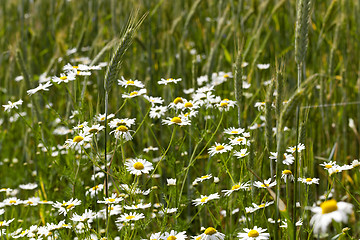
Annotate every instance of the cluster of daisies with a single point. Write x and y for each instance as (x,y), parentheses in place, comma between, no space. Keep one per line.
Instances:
(179,111)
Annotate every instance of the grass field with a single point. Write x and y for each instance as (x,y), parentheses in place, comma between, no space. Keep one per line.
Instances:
(182,119)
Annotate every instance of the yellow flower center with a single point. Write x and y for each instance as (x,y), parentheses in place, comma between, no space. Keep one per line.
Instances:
(133,93)
(264,185)
(219,148)
(178,100)
(287,172)
(309,179)
(234,132)
(169,79)
(12,201)
(187,114)
(188,105)
(240,139)
(329,206)
(76,67)
(70,206)
(122,128)
(328,166)
(130,82)
(78,139)
(176,120)
(63,77)
(210,231)
(102,119)
(226,76)
(198,238)
(253,233)
(171,238)
(111,200)
(1,223)
(94,188)
(204,199)
(130,217)
(261,206)
(139,166)
(235,187)
(223,104)
(206,176)
(77,72)
(64,225)
(29,202)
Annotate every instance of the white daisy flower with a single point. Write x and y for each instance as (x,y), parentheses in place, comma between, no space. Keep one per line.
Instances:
(6,223)
(130,217)
(150,148)
(12,201)
(157,111)
(309,181)
(267,183)
(64,207)
(203,178)
(80,126)
(122,133)
(71,76)
(355,163)
(126,83)
(169,80)
(138,206)
(242,153)
(238,141)
(94,129)
(44,87)
(101,117)
(287,174)
(154,100)
(288,159)
(138,166)
(257,233)
(263,66)
(234,131)
(12,105)
(256,207)
(29,186)
(226,104)
(95,190)
(299,148)
(204,199)
(134,94)
(181,121)
(113,199)
(171,181)
(237,187)
(170,210)
(256,126)
(79,140)
(219,148)
(327,212)
(87,216)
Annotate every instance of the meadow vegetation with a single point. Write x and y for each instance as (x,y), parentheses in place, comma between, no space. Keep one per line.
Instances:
(181,119)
